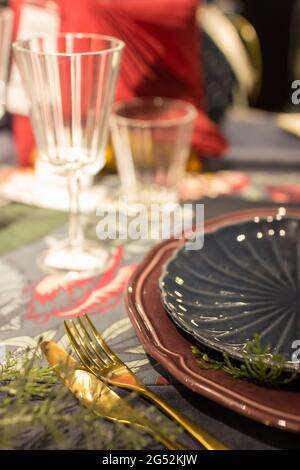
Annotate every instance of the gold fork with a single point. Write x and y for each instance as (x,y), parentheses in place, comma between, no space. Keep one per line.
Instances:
(99,359)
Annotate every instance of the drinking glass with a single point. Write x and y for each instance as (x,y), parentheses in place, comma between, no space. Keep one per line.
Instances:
(70,83)
(6,23)
(152,140)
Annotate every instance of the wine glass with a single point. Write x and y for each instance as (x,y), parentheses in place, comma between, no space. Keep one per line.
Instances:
(6,25)
(70,82)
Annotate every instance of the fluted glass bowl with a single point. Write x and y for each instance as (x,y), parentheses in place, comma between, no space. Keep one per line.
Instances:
(244,281)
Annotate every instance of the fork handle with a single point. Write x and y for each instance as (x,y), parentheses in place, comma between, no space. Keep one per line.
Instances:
(208,441)
(152,430)
(168,444)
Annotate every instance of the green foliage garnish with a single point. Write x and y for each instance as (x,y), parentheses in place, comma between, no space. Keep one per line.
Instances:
(259,364)
(38,412)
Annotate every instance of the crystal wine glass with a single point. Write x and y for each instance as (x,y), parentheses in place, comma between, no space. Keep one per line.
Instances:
(70,83)
(6,25)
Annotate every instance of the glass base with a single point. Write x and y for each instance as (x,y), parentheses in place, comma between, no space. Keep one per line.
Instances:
(152,199)
(89,259)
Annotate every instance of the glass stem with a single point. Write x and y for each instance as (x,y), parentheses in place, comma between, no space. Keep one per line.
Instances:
(76,236)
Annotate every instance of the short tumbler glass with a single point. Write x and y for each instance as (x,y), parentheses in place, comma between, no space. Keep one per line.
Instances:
(152,140)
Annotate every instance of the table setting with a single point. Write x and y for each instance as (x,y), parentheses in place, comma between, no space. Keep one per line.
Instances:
(157,308)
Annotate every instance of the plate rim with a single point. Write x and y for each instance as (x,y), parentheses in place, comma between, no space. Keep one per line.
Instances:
(200,380)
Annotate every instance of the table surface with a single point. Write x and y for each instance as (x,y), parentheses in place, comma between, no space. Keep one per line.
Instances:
(34,303)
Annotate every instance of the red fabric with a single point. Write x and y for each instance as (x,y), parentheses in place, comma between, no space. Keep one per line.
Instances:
(161,57)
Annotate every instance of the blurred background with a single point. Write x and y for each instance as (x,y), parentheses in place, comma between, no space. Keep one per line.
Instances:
(277,27)
(247,56)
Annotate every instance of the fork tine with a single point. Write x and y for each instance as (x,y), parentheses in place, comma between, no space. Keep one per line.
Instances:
(79,351)
(99,353)
(100,341)
(85,347)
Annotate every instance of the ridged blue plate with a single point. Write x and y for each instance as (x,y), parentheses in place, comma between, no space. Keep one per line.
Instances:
(244,281)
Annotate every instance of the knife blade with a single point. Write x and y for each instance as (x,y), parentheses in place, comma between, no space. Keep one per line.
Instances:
(85,386)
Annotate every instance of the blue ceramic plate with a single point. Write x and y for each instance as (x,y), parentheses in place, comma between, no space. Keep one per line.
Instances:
(244,281)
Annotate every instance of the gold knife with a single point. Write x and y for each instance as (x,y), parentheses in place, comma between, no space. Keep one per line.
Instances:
(98,397)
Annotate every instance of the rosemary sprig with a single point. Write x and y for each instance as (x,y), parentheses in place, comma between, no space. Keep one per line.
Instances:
(32,380)
(38,412)
(259,364)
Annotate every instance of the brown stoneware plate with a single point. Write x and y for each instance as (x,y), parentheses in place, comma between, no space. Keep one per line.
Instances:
(165,343)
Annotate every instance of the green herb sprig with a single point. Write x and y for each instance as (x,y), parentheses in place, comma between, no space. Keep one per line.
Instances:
(38,412)
(259,364)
